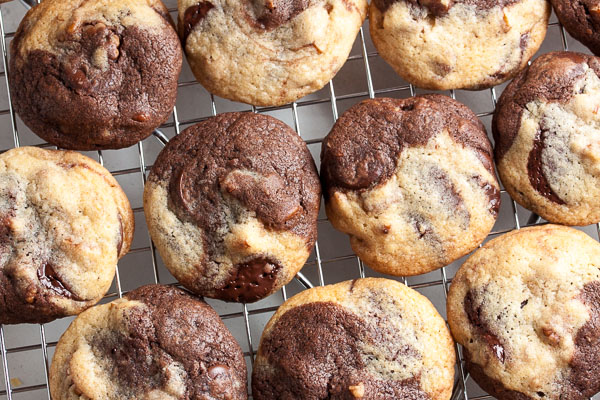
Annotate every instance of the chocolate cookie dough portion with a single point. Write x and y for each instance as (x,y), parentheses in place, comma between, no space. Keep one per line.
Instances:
(89,75)
(232,206)
(581,18)
(156,343)
(355,340)
(460,44)
(526,308)
(64,223)
(268,53)
(411,181)
(547,128)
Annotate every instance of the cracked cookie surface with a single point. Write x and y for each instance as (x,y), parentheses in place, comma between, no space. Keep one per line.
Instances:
(365,339)
(411,181)
(458,44)
(268,52)
(65,224)
(526,308)
(232,206)
(156,343)
(113,64)
(547,132)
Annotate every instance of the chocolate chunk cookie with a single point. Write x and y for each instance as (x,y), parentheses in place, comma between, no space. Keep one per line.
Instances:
(268,52)
(64,223)
(95,74)
(411,181)
(458,44)
(232,206)
(581,18)
(547,131)
(526,308)
(157,343)
(363,339)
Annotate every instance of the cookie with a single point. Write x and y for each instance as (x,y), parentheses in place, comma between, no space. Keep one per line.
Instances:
(232,204)
(268,52)
(411,181)
(547,131)
(64,223)
(365,339)
(581,19)
(98,74)
(458,44)
(526,309)
(158,342)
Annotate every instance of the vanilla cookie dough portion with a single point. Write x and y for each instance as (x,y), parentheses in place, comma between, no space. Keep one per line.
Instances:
(411,181)
(232,206)
(458,44)
(95,74)
(64,224)
(268,53)
(526,308)
(365,339)
(547,131)
(157,343)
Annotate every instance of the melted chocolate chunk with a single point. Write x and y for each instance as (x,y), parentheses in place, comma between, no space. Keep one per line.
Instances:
(193,15)
(251,281)
(550,78)
(535,163)
(240,158)
(491,192)
(362,149)
(50,280)
(315,350)
(482,327)
(174,327)
(108,76)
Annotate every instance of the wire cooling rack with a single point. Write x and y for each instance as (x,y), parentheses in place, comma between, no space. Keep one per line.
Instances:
(26,350)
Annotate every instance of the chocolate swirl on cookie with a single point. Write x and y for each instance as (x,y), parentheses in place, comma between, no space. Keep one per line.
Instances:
(317,351)
(235,166)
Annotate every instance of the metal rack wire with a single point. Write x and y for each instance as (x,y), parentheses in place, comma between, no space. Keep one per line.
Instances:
(318,268)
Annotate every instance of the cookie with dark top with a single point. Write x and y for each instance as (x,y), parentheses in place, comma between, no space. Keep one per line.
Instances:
(89,75)
(526,309)
(268,52)
(411,181)
(64,223)
(232,204)
(581,18)
(156,343)
(458,44)
(547,133)
(364,339)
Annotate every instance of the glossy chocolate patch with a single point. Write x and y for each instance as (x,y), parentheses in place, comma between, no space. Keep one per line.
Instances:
(362,149)
(193,15)
(316,351)
(251,281)
(535,169)
(50,280)
(482,327)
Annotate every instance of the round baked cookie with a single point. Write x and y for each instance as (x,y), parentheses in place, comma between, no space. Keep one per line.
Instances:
(232,204)
(526,309)
(268,52)
(156,343)
(411,181)
(581,19)
(458,44)
(364,339)
(64,223)
(95,74)
(547,133)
